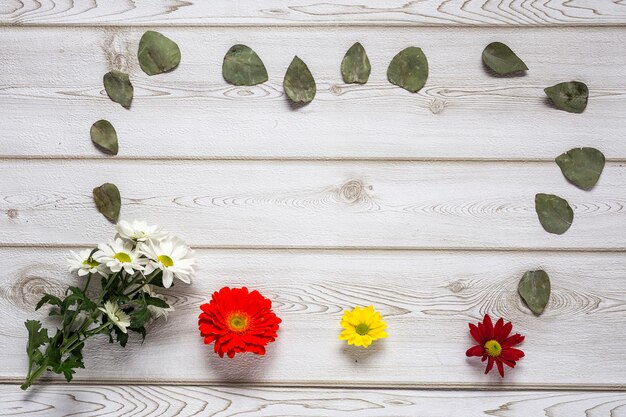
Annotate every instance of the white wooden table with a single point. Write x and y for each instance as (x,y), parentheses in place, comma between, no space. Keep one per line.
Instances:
(421,204)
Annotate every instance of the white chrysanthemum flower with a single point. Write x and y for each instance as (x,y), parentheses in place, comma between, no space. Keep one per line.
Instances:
(170,255)
(157,311)
(118,255)
(83,264)
(116,315)
(138,230)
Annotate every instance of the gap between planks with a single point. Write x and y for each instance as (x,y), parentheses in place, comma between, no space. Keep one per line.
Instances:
(19,245)
(332,385)
(279,159)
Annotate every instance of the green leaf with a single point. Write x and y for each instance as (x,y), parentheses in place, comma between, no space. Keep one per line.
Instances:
(534,288)
(104,136)
(582,166)
(118,87)
(501,59)
(37,336)
(355,66)
(555,213)
(157,53)
(156,302)
(108,201)
(299,83)
(409,69)
(569,96)
(48,299)
(242,66)
(139,316)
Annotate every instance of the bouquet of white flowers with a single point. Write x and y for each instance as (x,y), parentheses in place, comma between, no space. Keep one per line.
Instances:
(137,260)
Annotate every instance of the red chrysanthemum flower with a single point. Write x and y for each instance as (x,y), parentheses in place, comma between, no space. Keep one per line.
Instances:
(495,344)
(238,321)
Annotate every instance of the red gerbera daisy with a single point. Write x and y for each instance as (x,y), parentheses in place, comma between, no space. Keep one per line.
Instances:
(495,344)
(238,321)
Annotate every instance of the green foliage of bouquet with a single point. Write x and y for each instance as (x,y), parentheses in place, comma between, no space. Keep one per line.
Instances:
(130,266)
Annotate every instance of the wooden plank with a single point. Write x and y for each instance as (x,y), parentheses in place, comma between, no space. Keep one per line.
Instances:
(307,12)
(181,401)
(427,299)
(294,204)
(462,113)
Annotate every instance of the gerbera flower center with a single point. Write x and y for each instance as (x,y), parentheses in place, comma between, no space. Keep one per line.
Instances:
(122,257)
(91,263)
(165,260)
(493,348)
(238,322)
(362,329)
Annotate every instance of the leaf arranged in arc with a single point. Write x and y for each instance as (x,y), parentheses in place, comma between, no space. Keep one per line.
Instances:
(355,65)
(242,66)
(501,59)
(569,96)
(108,201)
(104,136)
(582,166)
(534,288)
(409,69)
(157,53)
(299,83)
(118,87)
(555,213)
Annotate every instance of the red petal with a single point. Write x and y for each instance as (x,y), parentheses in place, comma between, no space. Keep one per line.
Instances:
(474,333)
(489,364)
(475,351)
(488,327)
(500,367)
(512,354)
(512,341)
(497,329)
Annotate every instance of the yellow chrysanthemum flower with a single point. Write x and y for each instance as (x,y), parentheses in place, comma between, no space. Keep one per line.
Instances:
(362,326)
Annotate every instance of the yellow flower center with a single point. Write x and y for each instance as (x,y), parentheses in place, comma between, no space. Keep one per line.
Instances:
(493,348)
(122,257)
(165,260)
(238,322)
(362,329)
(91,263)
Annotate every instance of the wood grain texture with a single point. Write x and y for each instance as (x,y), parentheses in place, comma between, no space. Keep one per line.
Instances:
(307,12)
(427,299)
(51,93)
(182,401)
(295,204)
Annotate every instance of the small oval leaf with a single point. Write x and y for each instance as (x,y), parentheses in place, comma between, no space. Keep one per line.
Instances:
(355,66)
(118,87)
(408,69)
(501,59)
(534,288)
(299,83)
(157,53)
(108,201)
(242,66)
(582,166)
(569,96)
(555,213)
(103,135)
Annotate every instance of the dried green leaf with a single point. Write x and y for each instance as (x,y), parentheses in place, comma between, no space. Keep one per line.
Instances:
(501,59)
(408,69)
(555,213)
(157,53)
(103,135)
(569,96)
(108,201)
(534,288)
(242,66)
(118,87)
(299,83)
(355,66)
(582,166)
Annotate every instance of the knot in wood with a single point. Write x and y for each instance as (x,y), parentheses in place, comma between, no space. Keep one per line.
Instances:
(335,89)
(352,191)
(456,286)
(12,213)
(436,106)
(26,292)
